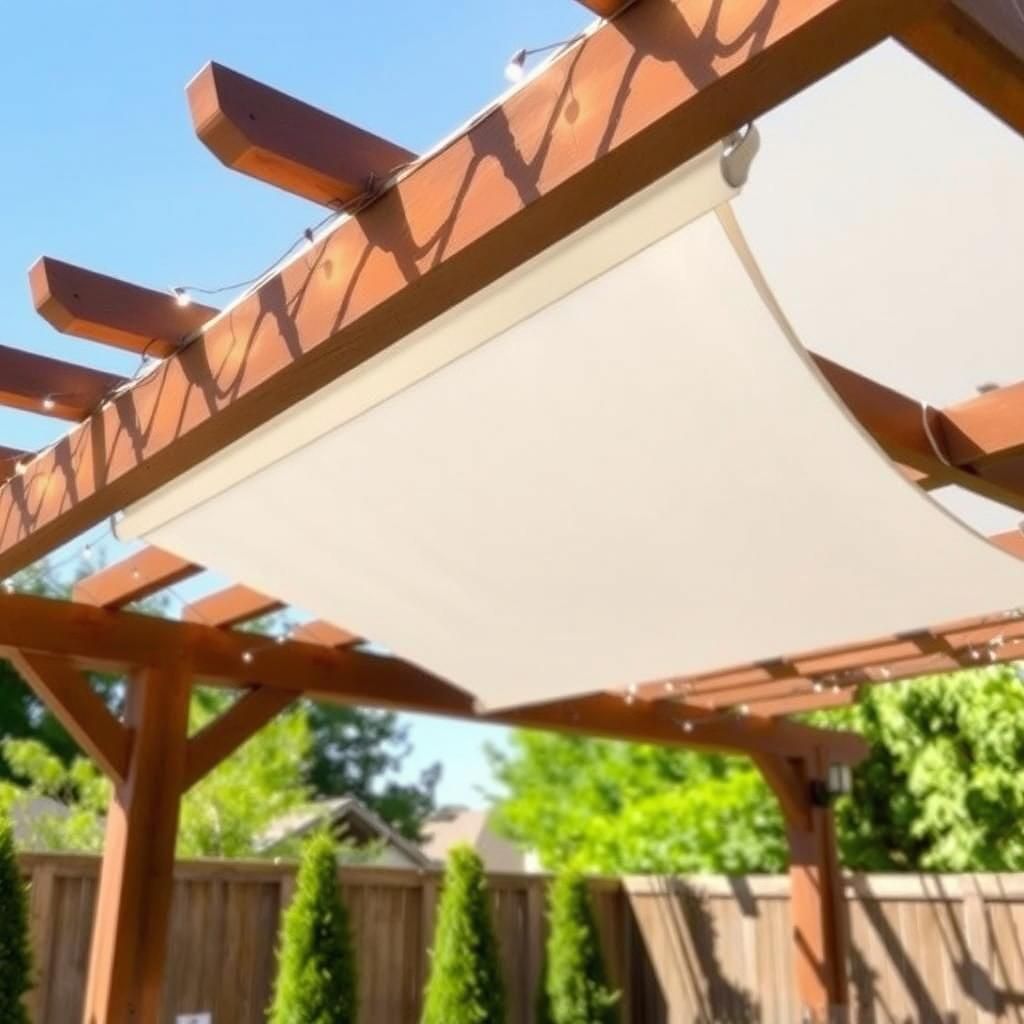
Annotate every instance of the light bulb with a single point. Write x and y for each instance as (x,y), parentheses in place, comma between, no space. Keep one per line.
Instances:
(21,468)
(247,657)
(687,726)
(9,586)
(516,66)
(182,297)
(48,403)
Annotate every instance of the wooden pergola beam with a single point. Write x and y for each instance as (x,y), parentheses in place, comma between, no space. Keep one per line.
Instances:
(66,692)
(9,459)
(278,139)
(320,632)
(140,575)
(518,180)
(51,387)
(231,606)
(106,309)
(978,47)
(603,8)
(94,637)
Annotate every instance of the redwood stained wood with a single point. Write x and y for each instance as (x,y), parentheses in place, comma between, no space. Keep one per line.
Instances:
(99,637)
(817,907)
(233,727)
(320,632)
(133,905)
(141,574)
(9,459)
(51,387)
(106,309)
(278,139)
(231,607)
(67,694)
(534,170)
(989,68)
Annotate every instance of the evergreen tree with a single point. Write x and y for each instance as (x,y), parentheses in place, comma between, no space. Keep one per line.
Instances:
(316,979)
(465,985)
(15,957)
(576,986)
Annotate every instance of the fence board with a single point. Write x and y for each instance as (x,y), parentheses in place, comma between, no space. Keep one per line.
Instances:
(947,949)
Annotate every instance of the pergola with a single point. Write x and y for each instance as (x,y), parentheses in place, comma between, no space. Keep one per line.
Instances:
(422,236)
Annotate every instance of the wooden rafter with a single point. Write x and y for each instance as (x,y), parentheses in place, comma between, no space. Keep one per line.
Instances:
(517,181)
(139,575)
(51,387)
(89,636)
(231,607)
(320,632)
(979,46)
(281,140)
(66,692)
(85,304)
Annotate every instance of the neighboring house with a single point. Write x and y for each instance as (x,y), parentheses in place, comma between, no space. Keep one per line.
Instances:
(450,826)
(351,822)
(29,818)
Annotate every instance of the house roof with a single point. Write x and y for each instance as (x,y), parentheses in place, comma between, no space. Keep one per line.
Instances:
(347,813)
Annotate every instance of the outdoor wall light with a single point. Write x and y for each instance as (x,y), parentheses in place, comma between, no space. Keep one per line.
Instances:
(840,779)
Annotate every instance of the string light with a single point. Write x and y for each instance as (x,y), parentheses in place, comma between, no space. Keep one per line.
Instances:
(247,657)
(9,586)
(181,296)
(48,403)
(21,468)
(515,68)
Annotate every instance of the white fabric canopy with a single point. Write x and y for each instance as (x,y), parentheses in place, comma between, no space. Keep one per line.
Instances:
(611,467)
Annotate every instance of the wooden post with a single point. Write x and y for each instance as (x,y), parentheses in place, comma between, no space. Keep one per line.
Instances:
(133,905)
(817,902)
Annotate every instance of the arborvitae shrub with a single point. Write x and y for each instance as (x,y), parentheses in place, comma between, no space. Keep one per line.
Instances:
(576,986)
(316,978)
(15,955)
(465,985)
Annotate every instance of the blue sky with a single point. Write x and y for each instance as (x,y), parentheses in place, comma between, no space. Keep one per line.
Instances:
(101,167)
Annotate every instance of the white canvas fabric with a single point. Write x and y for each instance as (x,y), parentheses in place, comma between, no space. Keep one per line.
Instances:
(639,475)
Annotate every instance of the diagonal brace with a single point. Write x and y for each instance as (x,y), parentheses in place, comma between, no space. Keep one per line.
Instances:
(225,734)
(66,692)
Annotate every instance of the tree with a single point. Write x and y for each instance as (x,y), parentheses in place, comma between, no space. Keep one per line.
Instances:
(574,979)
(942,790)
(613,807)
(223,815)
(356,753)
(943,787)
(226,812)
(465,984)
(316,980)
(15,955)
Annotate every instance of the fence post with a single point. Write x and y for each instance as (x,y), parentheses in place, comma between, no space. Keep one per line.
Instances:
(41,918)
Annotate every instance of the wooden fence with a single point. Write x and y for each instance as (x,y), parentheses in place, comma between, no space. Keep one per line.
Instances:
(683,951)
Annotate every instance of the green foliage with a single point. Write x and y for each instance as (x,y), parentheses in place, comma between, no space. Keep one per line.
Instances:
(226,812)
(316,980)
(15,956)
(943,788)
(465,985)
(355,750)
(62,806)
(575,982)
(621,808)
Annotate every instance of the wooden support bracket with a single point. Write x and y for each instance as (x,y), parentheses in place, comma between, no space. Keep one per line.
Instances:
(223,736)
(66,692)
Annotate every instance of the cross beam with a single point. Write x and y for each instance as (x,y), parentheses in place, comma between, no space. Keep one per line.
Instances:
(126,641)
